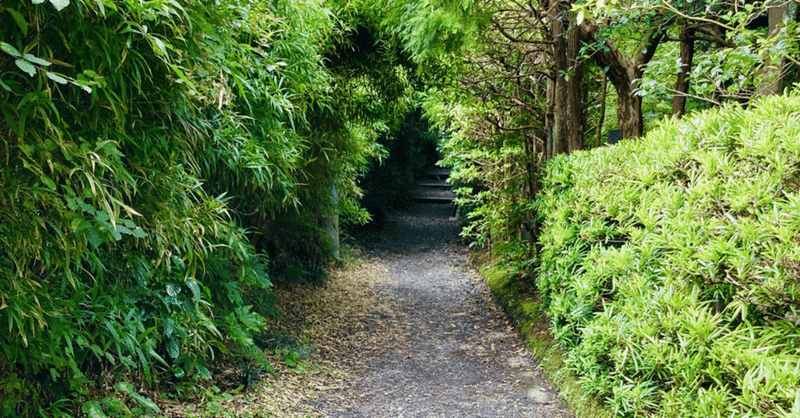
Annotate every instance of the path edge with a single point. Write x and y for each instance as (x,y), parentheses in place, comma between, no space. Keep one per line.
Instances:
(522,305)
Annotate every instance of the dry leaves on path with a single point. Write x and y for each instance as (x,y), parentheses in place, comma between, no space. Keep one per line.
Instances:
(346,320)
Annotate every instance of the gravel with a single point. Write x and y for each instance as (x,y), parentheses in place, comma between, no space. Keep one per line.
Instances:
(463,358)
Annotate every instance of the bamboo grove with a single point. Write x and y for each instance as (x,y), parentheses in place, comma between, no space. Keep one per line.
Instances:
(159,160)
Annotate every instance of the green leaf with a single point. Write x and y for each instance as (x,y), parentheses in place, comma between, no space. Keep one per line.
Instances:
(251,320)
(17,16)
(93,410)
(204,373)
(55,77)
(36,60)
(173,290)
(192,284)
(94,238)
(172,349)
(124,387)
(179,372)
(145,402)
(10,50)
(47,182)
(59,4)
(123,230)
(169,327)
(26,66)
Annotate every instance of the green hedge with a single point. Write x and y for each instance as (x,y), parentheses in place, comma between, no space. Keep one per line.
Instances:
(670,265)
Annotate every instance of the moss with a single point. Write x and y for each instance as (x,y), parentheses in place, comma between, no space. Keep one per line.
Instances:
(523,306)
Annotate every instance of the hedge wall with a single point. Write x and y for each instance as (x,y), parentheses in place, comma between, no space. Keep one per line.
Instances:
(670,265)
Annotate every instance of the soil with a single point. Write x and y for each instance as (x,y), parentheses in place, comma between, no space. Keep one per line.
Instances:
(459,356)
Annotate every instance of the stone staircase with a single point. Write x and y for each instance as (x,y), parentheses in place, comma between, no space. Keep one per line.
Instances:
(434,188)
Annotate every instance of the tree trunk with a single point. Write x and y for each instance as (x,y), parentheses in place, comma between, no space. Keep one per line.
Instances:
(567,110)
(602,118)
(682,83)
(574,99)
(624,72)
(550,119)
(776,13)
(629,112)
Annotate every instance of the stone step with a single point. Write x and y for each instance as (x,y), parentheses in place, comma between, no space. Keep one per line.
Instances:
(440,184)
(428,194)
(438,174)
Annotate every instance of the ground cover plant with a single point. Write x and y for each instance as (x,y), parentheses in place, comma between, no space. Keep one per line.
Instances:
(670,265)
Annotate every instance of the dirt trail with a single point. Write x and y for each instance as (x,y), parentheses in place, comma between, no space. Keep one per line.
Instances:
(463,359)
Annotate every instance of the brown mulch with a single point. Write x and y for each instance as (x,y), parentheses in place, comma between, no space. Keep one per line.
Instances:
(346,321)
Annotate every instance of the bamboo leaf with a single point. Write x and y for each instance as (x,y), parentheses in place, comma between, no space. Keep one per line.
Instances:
(160,48)
(47,182)
(7,48)
(55,77)
(21,22)
(59,4)
(156,356)
(36,60)
(26,66)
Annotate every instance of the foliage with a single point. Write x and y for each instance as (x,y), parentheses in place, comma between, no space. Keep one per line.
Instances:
(495,102)
(144,145)
(669,264)
(735,54)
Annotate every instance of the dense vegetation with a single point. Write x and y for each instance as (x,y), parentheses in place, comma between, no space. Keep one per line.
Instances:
(165,161)
(670,265)
(159,160)
(516,83)
(667,265)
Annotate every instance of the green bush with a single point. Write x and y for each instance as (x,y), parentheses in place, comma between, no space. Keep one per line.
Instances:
(670,265)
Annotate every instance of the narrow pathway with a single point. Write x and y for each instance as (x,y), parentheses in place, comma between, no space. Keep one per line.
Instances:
(463,358)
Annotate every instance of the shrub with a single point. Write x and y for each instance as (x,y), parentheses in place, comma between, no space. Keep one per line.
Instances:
(670,265)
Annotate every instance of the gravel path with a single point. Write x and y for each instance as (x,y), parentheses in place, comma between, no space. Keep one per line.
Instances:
(463,358)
